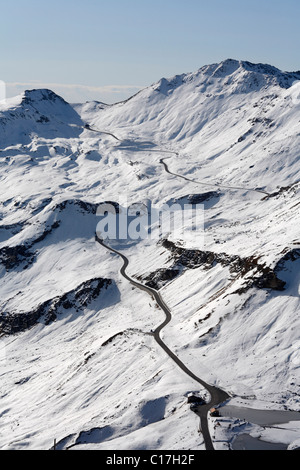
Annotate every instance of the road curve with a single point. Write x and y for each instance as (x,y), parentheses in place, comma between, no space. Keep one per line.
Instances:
(162,161)
(89,128)
(217,396)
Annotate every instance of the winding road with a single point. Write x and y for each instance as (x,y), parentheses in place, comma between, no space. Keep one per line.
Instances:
(217,396)
(236,188)
(162,162)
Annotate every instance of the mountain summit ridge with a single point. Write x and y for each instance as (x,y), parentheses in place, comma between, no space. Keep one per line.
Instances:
(245,75)
(258,67)
(83,367)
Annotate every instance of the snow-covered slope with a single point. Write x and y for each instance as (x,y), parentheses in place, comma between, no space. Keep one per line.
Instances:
(80,364)
(36,114)
(230,112)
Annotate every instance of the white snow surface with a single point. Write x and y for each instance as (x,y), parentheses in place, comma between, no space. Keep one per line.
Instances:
(232,128)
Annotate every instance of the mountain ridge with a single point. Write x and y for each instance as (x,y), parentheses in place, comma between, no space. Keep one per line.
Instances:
(227,67)
(93,374)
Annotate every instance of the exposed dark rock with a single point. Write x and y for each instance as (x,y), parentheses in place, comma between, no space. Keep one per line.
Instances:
(269,278)
(22,381)
(263,276)
(42,205)
(200,198)
(43,119)
(269,281)
(283,190)
(207,199)
(195,399)
(11,324)
(110,340)
(33,96)
(161,276)
(46,232)
(13,228)
(84,206)
(193,259)
(289,255)
(48,311)
(14,256)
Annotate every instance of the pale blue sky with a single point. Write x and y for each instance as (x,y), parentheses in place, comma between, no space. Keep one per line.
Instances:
(95,44)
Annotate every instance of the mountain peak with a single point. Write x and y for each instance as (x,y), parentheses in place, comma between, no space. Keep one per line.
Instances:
(41,111)
(261,73)
(230,76)
(41,94)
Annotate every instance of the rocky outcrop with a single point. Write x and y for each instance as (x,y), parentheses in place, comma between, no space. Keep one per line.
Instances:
(269,280)
(23,255)
(48,311)
(263,277)
(292,188)
(161,276)
(288,255)
(196,198)
(81,205)
(12,257)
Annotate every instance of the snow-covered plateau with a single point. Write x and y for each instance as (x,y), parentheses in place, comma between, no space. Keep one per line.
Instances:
(79,360)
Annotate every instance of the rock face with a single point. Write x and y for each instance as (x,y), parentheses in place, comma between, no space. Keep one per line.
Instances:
(269,281)
(195,399)
(263,276)
(22,255)
(196,198)
(11,257)
(83,206)
(162,276)
(289,255)
(47,312)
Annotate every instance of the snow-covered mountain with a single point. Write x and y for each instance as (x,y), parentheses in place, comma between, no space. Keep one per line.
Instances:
(79,360)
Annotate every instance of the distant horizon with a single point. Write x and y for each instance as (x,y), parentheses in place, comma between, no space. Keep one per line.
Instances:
(124,92)
(107,51)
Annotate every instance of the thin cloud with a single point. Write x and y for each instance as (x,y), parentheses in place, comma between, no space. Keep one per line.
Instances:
(78,93)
